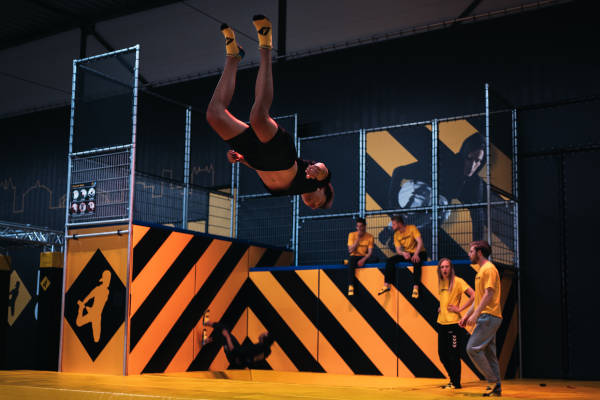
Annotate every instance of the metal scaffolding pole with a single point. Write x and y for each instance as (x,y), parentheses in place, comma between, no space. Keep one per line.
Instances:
(434,190)
(487,164)
(186,167)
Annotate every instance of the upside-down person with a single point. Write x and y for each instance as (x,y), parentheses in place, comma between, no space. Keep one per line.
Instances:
(263,145)
(247,355)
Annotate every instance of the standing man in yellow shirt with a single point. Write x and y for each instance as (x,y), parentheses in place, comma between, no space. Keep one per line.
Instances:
(409,247)
(360,248)
(486,315)
(450,336)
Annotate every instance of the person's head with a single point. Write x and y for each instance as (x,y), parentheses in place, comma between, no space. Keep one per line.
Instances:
(445,268)
(397,222)
(361,226)
(105,279)
(479,251)
(321,198)
(472,152)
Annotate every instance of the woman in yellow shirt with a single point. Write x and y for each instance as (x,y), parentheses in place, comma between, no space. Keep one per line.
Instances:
(450,335)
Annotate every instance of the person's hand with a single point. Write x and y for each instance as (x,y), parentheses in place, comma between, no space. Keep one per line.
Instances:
(406,255)
(438,310)
(314,172)
(233,156)
(415,258)
(361,263)
(462,322)
(453,308)
(472,320)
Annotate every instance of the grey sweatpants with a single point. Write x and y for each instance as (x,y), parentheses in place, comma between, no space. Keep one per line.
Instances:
(481,347)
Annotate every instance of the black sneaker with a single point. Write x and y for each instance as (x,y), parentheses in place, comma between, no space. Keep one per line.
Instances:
(447,386)
(495,392)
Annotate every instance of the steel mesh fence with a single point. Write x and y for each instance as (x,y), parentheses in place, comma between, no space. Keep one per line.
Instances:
(110,172)
(503,233)
(462,226)
(324,240)
(158,200)
(266,220)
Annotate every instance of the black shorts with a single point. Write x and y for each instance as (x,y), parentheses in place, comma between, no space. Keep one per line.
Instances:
(277,154)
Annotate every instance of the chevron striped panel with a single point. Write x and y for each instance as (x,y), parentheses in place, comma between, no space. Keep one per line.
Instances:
(318,328)
(175,277)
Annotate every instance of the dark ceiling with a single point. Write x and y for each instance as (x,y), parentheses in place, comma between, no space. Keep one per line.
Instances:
(25,20)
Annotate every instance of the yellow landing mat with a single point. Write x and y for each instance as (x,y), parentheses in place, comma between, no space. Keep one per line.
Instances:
(266,385)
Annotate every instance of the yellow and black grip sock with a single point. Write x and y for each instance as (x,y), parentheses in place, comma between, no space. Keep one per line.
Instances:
(232,49)
(265,31)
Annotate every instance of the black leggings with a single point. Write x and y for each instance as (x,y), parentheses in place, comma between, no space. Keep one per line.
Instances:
(390,267)
(450,342)
(233,356)
(353,263)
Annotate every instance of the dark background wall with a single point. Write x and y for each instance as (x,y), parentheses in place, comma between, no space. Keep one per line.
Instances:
(536,61)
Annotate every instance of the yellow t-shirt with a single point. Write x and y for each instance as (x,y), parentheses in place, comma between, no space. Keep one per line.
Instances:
(407,240)
(446,317)
(366,242)
(488,277)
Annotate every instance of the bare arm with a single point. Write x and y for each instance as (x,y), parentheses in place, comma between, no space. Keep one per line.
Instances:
(470,294)
(419,245)
(465,318)
(415,257)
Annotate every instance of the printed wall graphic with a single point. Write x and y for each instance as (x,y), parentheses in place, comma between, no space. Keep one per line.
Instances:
(94,310)
(399,177)
(18,297)
(83,199)
(90,305)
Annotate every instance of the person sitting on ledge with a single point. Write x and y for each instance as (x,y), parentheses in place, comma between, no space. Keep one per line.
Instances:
(360,248)
(409,247)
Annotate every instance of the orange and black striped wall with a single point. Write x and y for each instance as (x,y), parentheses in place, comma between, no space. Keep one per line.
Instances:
(176,276)
(317,327)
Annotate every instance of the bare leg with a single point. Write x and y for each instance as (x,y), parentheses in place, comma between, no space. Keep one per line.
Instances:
(264,126)
(217,115)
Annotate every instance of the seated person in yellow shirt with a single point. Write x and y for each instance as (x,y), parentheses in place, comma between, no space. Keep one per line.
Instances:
(450,335)
(360,248)
(409,247)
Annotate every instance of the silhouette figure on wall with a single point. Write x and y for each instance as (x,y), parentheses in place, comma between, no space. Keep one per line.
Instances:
(93,313)
(12,298)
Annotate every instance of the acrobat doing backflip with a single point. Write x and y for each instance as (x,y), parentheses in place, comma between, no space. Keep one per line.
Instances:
(247,355)
(263,145)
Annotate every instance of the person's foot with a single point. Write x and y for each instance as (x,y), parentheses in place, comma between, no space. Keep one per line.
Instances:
(265,31)
(496,391)
(232,48)
(447,386)
(415,292)
(350,290)
(383,290)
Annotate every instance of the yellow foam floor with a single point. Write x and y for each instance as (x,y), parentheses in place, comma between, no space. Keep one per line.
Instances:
(266,385)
